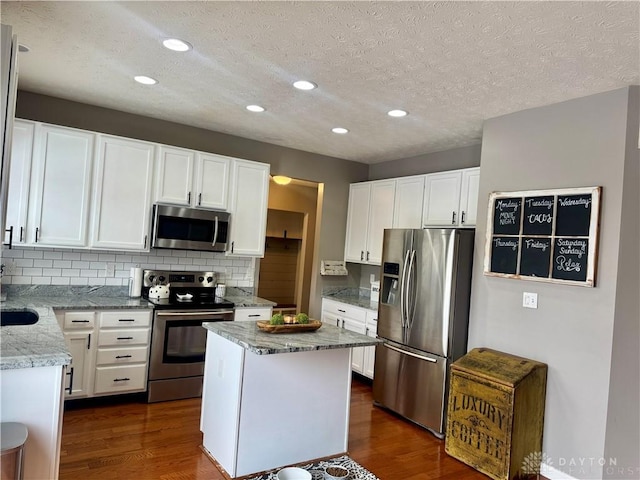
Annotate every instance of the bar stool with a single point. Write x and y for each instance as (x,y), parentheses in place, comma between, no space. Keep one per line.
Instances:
(13,436)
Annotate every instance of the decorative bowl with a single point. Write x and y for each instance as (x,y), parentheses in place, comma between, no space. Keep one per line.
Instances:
(293,473)
(336,472)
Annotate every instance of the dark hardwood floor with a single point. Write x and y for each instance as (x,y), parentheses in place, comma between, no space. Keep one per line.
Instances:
(162,441)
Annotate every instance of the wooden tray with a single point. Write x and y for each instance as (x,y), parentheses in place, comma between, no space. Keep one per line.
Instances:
(265,326)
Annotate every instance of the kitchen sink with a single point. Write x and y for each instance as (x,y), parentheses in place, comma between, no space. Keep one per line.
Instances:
(18,317)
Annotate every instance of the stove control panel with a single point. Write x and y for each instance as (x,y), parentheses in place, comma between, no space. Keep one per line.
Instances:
(179,279)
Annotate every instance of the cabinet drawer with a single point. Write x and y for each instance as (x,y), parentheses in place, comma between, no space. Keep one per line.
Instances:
(130,336)
(108,356)
(77,320)
(243,314)
(120,378)
(125,318)
(344,310)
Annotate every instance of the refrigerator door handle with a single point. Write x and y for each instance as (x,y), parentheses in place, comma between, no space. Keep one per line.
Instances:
(403,286)
(411,295)
(411,354)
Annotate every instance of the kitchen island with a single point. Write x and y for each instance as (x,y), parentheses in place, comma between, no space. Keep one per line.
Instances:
(271,400)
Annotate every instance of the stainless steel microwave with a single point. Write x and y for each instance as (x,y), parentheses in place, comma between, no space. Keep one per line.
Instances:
(186,228)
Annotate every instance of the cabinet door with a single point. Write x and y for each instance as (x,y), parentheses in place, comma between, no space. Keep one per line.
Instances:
(380,217)
(370,352)
(81,348)
(212,180)
(174,178)
(60,186)
(250,194)
(409,198)
(122,201)
(469,197)
(252,314)
(357,353)
(357,220)
(19,176)
(441,199)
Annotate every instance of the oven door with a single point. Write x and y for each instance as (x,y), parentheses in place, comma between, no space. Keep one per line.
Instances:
(178,342)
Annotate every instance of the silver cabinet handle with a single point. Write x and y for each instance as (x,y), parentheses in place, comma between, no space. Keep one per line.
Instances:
(411,354)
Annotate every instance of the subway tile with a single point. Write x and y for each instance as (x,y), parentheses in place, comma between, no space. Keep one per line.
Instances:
(12,253)
(22,280)
(62,263)
(60,280)
(89,257)
(53,255)
(32,254)
(178,253)
(52,272)
(80,264)
(32,271)
(113,281)
(78,281)
(106,257)
(70,255)
(193,254)
(97,281)
(186,261)
(23,262)
(97,265)
(88,273)
(43,263)
(41,280)
(70,272)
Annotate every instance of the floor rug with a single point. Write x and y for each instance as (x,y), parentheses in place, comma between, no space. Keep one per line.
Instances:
(356,471)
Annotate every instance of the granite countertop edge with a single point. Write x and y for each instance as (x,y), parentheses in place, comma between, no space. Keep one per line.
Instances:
(357,301)
(247,335)
(42,344)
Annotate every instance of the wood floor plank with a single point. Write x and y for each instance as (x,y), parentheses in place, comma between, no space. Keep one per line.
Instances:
(162,441)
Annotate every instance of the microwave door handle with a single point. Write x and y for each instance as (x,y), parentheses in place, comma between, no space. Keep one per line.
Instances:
(215,233)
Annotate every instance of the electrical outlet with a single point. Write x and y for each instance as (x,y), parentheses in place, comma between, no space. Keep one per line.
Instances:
(530,300)
(110,270)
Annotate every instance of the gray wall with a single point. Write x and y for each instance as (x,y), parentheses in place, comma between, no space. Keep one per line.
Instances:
(464,157)
(335,173)
(572,144)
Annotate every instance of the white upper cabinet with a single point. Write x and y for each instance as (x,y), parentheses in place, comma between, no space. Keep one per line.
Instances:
(469,197)
(446,202)
(174,178)
(249,200)
(212,181)
(194,179)
(408,202)
(60,186)
(370,212)
(122,199)
(19,176)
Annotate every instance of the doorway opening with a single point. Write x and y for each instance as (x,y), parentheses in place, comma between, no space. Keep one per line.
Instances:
(285,271)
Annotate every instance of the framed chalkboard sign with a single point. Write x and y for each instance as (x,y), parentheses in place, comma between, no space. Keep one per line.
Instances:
(544,235)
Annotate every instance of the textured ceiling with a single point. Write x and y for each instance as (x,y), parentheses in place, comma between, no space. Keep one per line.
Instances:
(450,64)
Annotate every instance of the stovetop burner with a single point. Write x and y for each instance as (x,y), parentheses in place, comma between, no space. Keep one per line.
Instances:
(199,285)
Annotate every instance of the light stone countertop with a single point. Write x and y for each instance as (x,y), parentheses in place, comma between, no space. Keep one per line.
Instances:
(249,336)
(42,344)
(358,301)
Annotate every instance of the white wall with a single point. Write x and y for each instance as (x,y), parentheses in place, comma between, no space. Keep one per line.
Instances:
(50,266)
(572,144)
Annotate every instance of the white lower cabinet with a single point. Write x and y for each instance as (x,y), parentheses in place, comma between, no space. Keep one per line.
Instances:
(355,319)
(109,349)
(252,314)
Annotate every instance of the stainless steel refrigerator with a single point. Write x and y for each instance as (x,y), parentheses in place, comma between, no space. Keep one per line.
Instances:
(423,315)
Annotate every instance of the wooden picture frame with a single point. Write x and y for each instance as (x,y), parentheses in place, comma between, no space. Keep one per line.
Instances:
(544,235)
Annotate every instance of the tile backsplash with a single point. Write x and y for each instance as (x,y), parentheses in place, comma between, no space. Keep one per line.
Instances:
(55,266)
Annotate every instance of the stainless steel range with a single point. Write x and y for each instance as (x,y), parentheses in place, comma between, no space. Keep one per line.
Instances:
(178,341)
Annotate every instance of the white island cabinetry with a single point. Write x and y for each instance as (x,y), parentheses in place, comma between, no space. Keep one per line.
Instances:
(239,420)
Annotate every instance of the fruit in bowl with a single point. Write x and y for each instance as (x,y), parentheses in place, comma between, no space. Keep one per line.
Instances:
(277,319)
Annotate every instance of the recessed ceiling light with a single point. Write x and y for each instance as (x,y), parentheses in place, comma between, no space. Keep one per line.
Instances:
(143,79)
(304,85)
(255,108)
(177,45)
(340,130)
(396,113)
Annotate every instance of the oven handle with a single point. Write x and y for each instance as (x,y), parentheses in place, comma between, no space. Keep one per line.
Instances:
(215,233)
(193,314)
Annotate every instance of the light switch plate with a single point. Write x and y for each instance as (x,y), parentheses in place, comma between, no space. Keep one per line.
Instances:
(530,300)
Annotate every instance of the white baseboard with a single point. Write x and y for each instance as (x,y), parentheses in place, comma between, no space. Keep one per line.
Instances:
(554,474)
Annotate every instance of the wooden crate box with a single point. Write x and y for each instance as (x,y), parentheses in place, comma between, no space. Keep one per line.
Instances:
(495,413)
